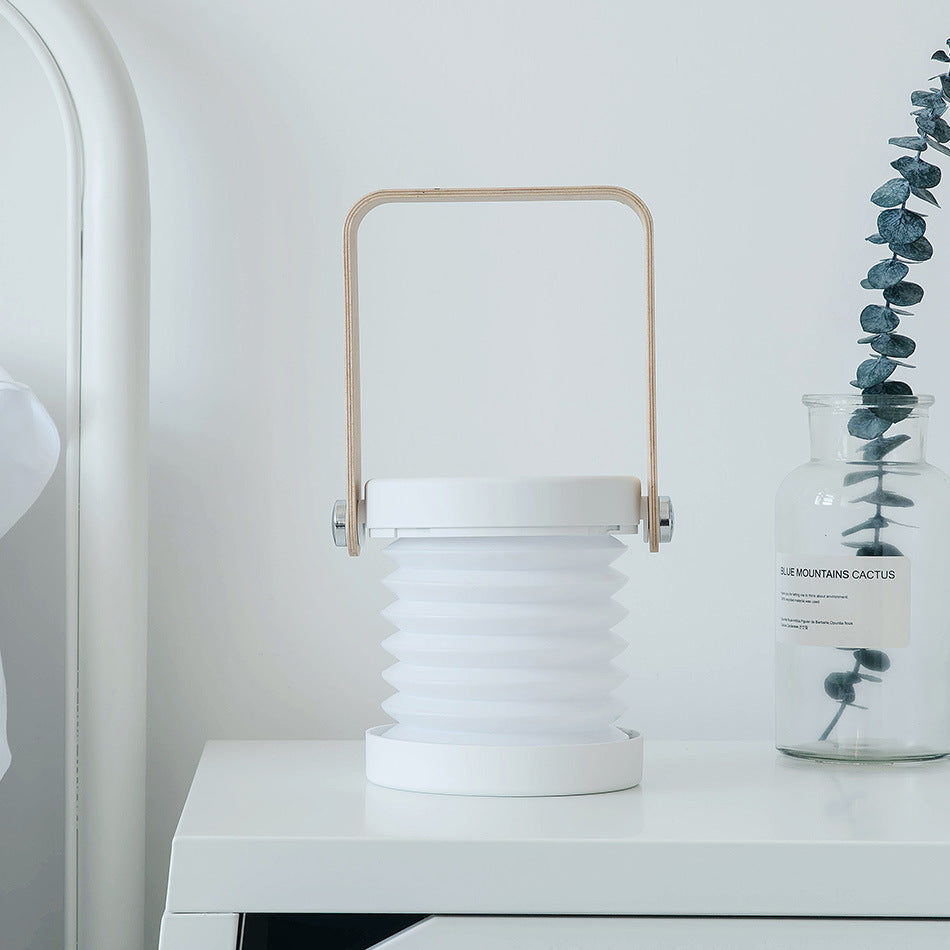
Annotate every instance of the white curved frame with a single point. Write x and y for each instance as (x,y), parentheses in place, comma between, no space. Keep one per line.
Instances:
(106,460)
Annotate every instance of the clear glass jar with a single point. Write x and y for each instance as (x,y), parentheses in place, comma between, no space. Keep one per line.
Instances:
(863,587)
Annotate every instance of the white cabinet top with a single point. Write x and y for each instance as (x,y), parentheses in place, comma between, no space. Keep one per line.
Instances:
(717,828)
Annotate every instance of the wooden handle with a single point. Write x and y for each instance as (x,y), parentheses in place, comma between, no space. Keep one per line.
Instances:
(351,340)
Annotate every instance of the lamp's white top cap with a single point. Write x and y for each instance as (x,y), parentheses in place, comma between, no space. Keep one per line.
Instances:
(486,507)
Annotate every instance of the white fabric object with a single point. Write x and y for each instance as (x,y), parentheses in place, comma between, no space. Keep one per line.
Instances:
(29,451)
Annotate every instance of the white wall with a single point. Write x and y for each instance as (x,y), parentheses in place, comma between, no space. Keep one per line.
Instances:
(755,132)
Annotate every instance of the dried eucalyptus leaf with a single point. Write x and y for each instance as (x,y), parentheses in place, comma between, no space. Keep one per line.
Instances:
(863,474)
(887,273)
(919,173)
(919,250)
(879,448)
(941,131)
(887,499)
(941,56)
(892,414)
(875,521)
(893,344)
(866,284)
(900,225)
(904,294)
(875,239)
(881,408)
(873,549)
(916,143)
(896,387)
(873,660)
(925,99)
(940,148)
(925,195)
(892,193)
(870,678)
(839,687)
(876,319)
(929,114)
(863,424)
(874,371)
(945,84)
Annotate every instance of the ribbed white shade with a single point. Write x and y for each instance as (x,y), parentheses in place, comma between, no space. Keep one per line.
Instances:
(505,641)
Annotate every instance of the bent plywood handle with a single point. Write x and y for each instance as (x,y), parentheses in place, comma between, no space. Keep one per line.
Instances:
(351,343)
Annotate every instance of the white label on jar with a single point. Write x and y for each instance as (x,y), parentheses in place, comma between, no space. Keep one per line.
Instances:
(842,601)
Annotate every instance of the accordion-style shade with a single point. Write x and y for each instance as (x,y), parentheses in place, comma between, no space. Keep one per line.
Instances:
(29,451)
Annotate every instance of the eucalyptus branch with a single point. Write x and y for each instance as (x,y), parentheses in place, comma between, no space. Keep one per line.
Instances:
(902,230)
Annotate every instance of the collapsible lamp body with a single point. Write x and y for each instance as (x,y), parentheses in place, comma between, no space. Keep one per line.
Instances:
(504,644)
(504,609)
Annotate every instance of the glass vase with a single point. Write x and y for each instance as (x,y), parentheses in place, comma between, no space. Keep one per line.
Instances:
(863,587)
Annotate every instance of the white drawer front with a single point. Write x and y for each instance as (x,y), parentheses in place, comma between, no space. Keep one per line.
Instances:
(669,933)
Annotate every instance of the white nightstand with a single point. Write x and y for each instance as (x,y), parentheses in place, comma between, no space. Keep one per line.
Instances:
(717,830)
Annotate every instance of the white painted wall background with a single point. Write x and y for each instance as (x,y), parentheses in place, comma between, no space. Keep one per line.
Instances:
(754,131)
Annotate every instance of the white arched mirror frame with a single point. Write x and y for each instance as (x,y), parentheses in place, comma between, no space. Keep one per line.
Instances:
(106,443)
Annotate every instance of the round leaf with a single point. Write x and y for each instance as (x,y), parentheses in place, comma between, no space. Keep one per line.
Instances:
(892,193)
(941,131)
(941,56)
(919,250)
(861,475)
(881,407)
(875,319)
(934,144)
(873,660)
(893,344)
(874,371)
(887,273)
(839,687)
(904,294)
(900,225)
(863,424)
(886,499)
(925,99)
(876,521)
(919,173)
(896,387)
(933,108)
(873,549)
(876,450)
(916,143)
(924,195)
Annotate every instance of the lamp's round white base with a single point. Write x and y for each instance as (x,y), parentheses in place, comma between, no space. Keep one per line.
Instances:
(581,769)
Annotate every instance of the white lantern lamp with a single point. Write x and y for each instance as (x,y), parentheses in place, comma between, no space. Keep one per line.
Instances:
(504,613)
